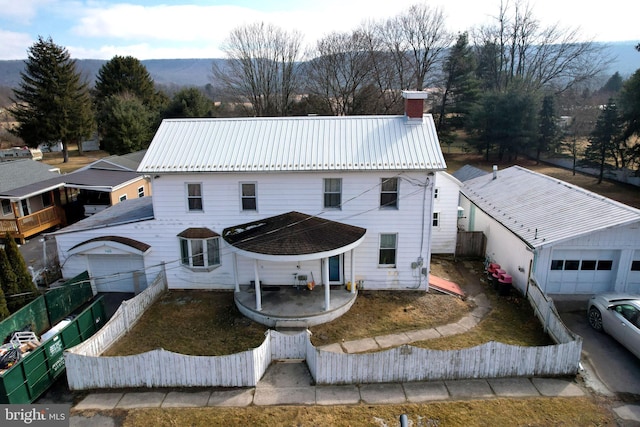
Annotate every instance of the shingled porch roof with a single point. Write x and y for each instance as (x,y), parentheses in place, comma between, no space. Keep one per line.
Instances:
(293,236)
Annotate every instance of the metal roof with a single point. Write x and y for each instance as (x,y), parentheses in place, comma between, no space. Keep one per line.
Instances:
(279,144)
(467,172)
(127,211)
(542,210)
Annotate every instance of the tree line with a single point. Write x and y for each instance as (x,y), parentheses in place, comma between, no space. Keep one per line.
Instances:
(506,84)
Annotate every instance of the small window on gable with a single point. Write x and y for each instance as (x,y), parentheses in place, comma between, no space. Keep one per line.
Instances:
(333,193)
(6,207)
(194,197)
(436,219)
(248,196)
(435,193)
(199,248)
(389,193)
(140,191)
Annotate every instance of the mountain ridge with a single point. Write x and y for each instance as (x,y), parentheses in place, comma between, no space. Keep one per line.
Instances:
(198,71)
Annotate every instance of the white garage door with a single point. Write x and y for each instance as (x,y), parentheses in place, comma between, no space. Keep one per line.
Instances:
(118,273)
(582,271)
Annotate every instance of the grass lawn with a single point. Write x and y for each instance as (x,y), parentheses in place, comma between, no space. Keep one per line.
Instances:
(494,412)
(207,323)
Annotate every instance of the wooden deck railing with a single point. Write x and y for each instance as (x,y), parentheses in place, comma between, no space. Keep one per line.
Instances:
(26,226)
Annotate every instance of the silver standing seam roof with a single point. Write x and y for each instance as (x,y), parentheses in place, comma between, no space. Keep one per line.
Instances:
(294,144)
(543,210)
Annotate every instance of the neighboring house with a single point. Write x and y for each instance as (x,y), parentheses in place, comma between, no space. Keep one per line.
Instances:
(15,153)
(31,198)
(572,241)
(242,200)
(445,214)
(108,181)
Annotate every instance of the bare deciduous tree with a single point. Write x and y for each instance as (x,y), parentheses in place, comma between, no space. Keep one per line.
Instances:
(261,67)
(339,71)
(416,39)
(518,48)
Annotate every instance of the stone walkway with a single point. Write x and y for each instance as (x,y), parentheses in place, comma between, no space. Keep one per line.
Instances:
(483,307)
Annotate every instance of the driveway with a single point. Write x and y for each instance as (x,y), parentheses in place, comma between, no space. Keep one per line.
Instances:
(611,363)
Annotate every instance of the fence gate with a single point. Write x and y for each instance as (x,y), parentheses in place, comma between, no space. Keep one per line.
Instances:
(471,244)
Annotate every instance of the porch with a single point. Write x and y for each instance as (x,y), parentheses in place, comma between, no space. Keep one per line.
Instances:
(288,306)
(26,226)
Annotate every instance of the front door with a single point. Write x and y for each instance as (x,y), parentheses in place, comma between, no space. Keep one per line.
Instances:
(335,269)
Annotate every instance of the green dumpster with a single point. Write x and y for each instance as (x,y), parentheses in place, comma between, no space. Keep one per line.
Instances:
(37,370)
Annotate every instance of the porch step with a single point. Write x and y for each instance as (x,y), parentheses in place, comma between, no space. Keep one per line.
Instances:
(291,325)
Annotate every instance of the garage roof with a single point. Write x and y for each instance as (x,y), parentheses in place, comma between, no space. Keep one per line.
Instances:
(542,210)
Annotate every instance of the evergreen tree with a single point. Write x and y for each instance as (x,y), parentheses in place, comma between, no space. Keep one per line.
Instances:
(549,132)
(4,310)
(9,283)
(461,88)
(189,102)
(19,268)
(125,75)
(604,137)
(127,124)
(51,102)
(120,81)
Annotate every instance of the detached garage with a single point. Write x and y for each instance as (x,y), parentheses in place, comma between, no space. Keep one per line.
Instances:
(570,240)
(114,263)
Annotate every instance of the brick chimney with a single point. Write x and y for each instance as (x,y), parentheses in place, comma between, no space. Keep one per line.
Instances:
(414,104)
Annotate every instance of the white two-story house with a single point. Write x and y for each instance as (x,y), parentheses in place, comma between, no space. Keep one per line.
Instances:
(272,201)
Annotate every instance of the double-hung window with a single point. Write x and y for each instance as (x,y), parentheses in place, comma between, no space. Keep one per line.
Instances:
(333,193)
(199,248)
(194,197)
(248,196)
(388,249)
(140,191)
(436,219)
(389,193)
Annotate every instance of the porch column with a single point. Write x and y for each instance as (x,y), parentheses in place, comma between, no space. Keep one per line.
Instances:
(257,285)
(327,289)
(353,272)
(235,273)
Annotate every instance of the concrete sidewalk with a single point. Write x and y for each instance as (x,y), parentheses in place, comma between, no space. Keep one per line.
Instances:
(289,383)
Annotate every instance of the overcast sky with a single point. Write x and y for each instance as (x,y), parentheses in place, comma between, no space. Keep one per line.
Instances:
(147,29)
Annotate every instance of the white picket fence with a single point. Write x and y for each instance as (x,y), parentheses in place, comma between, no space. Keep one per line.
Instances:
(86,369)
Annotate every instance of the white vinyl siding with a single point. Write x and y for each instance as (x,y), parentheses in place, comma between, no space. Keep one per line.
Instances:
(360,197)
